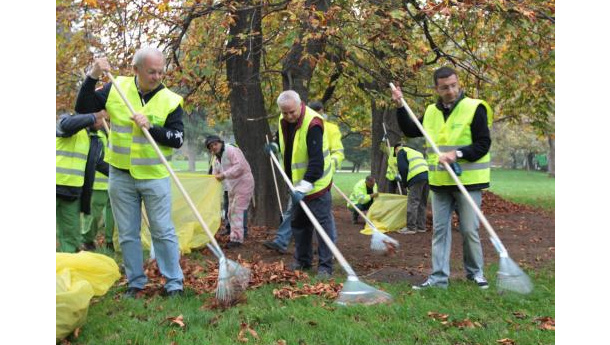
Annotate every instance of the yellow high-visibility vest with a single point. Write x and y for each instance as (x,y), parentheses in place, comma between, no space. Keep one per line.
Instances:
(129,148)
(417,163)
(300,157)
(71,159)
(359,194)
(451,135)
(335,145)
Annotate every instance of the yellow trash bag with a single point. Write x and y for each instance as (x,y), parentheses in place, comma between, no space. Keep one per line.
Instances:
(206,193)
(79,277)
(71,303)
(388,213)
(99,270)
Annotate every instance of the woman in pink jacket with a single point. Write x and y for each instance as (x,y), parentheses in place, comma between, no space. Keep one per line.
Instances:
(231,168)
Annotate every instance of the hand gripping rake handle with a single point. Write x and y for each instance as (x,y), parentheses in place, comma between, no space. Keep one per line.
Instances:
(277,191)
(216,248)
(368,221)
(387,141)
(495,240)
(348,269)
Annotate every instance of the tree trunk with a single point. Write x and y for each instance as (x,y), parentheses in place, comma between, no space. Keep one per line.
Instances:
(246,99)
(191,154)
(379,159)
(296,70)
(551,158)
(530,161)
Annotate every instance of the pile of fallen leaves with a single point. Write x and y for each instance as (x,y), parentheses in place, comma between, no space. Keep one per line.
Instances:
(202,276)
(493,204)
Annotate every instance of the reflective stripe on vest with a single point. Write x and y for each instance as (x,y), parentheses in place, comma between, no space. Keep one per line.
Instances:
(300,157)
(451,135)
(101,181)
(71,159)
(417,163)
(129,148)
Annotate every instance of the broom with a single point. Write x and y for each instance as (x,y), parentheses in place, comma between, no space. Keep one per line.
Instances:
(387,141)
(354,291)
(510,276)
(232,277)
(380,242)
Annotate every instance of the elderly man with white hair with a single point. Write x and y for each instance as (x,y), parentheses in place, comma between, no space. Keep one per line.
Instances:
(304,148)
(136,172)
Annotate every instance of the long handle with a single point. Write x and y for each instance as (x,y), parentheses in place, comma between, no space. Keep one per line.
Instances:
(368,221)
(387,140)
(499,246)
(348,269)
(277,190)
(169,168)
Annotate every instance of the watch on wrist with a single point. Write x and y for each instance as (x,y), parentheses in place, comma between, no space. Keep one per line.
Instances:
(459,154)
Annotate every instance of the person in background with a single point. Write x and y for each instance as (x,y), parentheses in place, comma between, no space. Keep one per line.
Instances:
(230,167)
(363,194)
(78,155)
(413,170)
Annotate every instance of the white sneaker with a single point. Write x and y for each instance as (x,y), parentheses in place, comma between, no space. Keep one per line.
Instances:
(421,230)
(405,231)
(481,282)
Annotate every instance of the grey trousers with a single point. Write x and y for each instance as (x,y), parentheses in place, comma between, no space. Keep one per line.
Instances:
(417,200)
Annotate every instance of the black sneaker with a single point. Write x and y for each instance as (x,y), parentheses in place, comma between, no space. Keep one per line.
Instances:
(175,293)
(274,246)
(131,292)
(232,244)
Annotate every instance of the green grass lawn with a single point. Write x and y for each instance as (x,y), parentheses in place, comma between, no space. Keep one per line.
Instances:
(473,316)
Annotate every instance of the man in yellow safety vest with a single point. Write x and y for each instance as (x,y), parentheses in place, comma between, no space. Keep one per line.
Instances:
(459,126)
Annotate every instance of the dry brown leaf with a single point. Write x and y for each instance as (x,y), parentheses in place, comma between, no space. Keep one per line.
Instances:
(438,316)
(519,315)
(505,341)
(76,332)
(178,320)
(281,342)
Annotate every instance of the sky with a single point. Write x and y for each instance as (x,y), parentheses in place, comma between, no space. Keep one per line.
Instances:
(582,233)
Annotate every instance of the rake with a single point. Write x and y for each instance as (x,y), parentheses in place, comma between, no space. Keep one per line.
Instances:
(354,291)
(510,276)
(387,141)
(380,242)
(277,191)
(233,279)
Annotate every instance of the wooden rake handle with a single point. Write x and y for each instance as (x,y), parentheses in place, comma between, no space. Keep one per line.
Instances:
(277,190)
(368,221)
(150,139)
(387,141)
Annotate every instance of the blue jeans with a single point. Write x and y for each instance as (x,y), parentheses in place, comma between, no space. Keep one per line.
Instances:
(443,204)
(303,229)
(126,196)
(284,232)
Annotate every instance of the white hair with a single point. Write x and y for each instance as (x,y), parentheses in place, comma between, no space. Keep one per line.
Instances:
(143,53)
(286,96)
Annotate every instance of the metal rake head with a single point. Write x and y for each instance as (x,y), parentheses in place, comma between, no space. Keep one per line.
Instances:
(512,278)
(382,243)
(356,292)
(233,279)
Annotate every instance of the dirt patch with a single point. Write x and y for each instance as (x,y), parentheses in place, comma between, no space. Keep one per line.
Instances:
(527,233)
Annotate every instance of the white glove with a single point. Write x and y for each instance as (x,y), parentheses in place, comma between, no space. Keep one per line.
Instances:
(303,187)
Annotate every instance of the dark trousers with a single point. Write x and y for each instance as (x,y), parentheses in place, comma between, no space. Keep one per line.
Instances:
(417,200)
(303,230)
(361,207)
